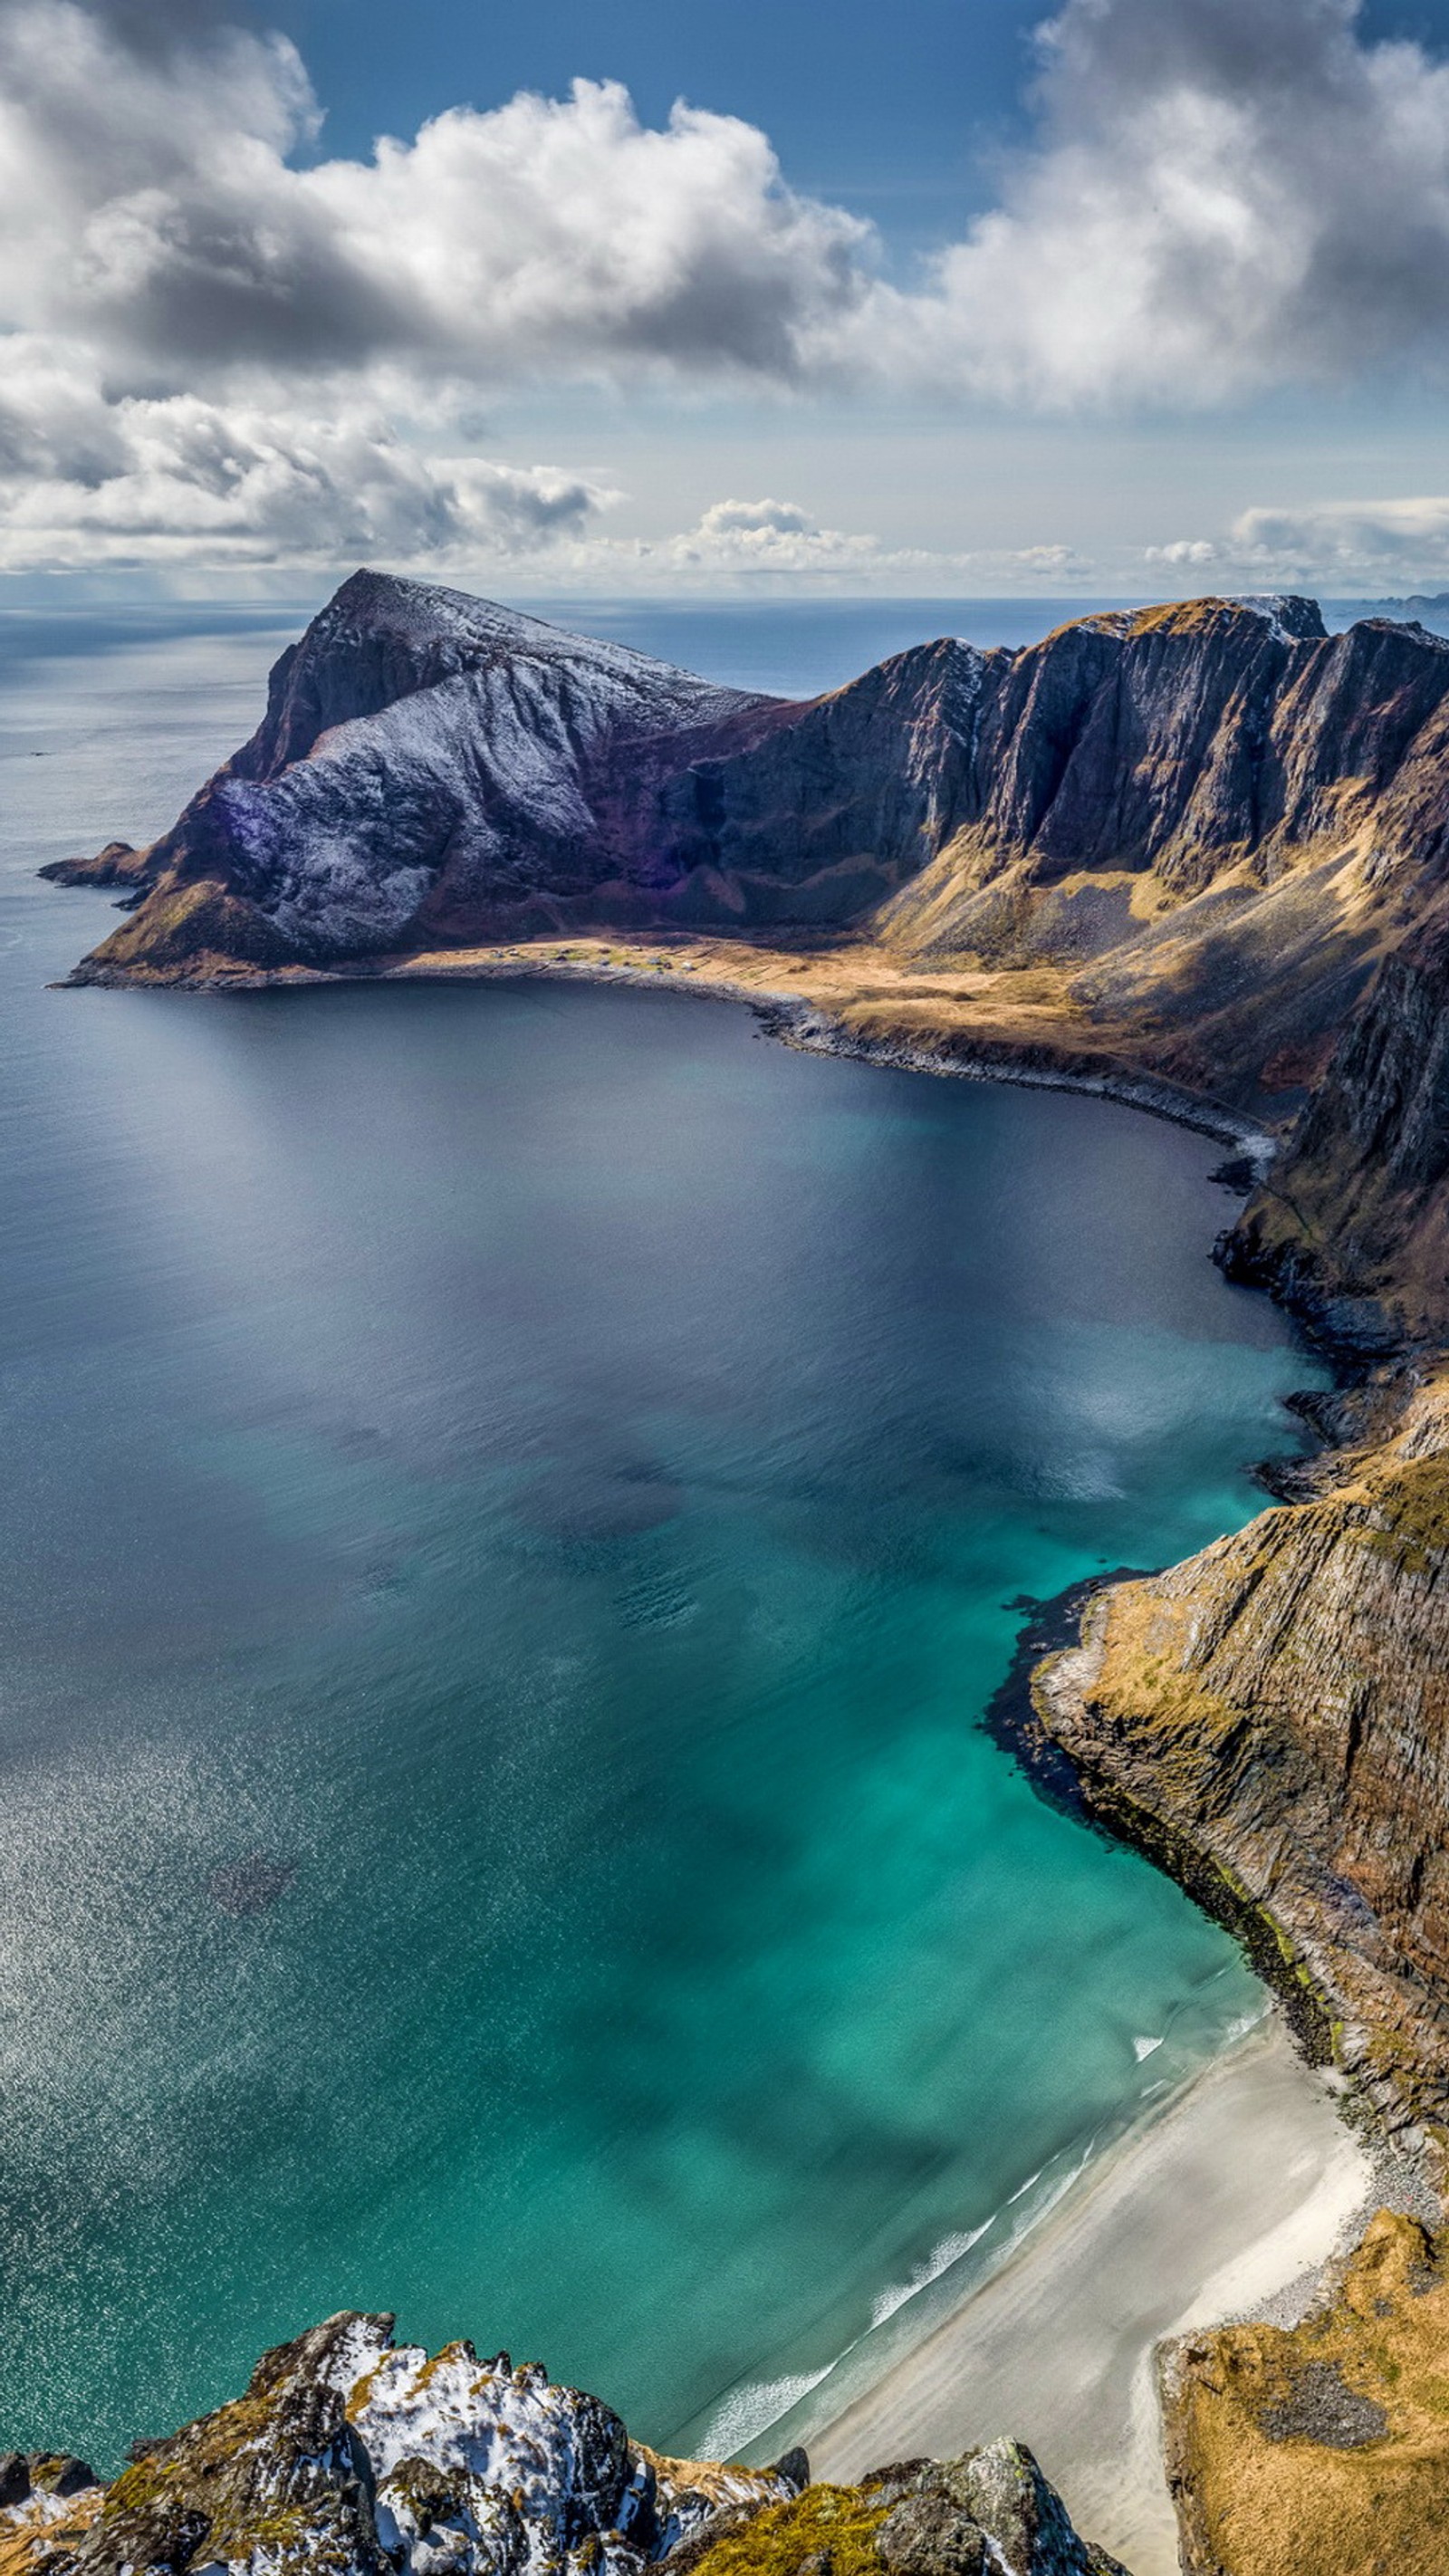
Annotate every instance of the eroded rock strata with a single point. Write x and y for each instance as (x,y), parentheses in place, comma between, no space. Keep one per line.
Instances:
(348,2455)
(1272,1718)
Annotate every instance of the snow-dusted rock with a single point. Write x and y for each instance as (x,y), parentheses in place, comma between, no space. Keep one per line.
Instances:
(433,769)
(351,2456)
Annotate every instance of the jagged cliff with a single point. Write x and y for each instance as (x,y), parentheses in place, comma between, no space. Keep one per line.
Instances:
(1272,1719)
(348,2455)
(1202,817)
(1356,1208)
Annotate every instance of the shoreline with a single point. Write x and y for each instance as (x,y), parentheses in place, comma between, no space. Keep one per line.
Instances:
(1228,2199)
(808,1026)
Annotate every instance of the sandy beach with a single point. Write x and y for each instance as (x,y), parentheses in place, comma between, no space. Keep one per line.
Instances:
(1241,2186)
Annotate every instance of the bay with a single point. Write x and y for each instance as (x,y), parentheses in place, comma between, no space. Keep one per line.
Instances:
(514,1500)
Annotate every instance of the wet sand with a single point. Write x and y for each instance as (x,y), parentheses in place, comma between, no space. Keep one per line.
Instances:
(1236,2191)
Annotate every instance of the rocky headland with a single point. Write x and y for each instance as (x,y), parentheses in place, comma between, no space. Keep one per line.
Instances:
(1197,856)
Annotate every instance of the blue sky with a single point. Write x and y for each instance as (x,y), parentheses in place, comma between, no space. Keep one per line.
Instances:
(911,299)
(896,110)
(893,110)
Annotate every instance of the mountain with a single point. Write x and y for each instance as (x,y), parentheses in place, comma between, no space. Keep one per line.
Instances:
(1203,818)
(1429,608)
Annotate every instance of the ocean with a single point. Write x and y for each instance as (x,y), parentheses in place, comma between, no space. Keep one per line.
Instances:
(515,1500)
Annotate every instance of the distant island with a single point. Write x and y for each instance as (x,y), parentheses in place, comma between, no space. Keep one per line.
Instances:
(1194,856)
(1430,609)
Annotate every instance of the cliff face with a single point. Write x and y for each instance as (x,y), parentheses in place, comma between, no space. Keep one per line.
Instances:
(350,2456)
(433,769)
(1272,1719)
(1199,812)
(1357,1208)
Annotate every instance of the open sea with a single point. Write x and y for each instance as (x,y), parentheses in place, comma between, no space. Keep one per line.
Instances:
(513,1502)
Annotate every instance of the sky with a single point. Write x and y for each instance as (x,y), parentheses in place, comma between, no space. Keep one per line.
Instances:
(955,297)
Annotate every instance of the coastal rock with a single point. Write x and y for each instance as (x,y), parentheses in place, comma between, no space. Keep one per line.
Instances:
(1271,1719)
(999,2493)
(48,2502)
(989,2513)
(117,864)
(351,2456)
(1324,2450)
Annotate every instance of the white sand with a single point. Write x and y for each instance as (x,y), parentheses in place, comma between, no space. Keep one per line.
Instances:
(1237,2189)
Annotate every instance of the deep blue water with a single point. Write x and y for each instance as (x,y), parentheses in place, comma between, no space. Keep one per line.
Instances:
(550,1471)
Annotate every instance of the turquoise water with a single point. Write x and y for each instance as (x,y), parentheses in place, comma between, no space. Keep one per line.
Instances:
(551,1472)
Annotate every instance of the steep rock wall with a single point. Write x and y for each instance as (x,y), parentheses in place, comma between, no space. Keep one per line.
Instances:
(1271,1718)
(1204,800)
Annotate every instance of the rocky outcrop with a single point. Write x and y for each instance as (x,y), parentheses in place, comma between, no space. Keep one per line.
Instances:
(117,864)
(1323,2448)
(351,2456)
(1271,1719)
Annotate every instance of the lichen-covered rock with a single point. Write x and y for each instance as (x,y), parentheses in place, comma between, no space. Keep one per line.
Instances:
(48,2502)
(1323,2451)
(989,2513)
(350,2456)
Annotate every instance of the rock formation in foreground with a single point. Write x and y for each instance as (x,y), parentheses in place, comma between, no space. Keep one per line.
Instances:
(350,2456)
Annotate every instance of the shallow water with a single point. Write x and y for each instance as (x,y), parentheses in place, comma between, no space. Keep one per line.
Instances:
(514,1500)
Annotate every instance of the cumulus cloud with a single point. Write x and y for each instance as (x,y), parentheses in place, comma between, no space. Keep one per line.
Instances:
(88,480)
(1322,544)
(1222,196)
(151,204)
(220,335)
(769,536)
(1219,195)
(738,543)
(1184,553)
(1354,538)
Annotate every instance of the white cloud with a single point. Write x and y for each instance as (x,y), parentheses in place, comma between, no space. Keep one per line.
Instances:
(1349,538)
(220,341)
(85,480)
(738,544)
(771,536)
(1223,196)
(149,202)
(1183,553)
(1321,545)
(1053,559)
